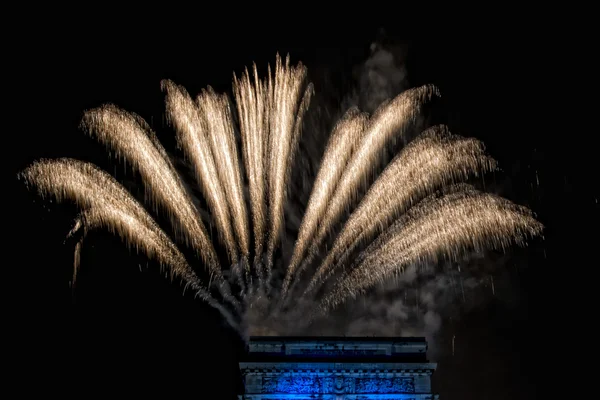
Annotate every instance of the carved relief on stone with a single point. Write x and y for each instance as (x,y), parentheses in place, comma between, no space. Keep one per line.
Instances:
(337,397)
(380,398)
(336,384)
(292,384)
(384,385)
(339,384)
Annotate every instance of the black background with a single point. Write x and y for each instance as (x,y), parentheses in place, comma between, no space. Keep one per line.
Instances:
(133,331)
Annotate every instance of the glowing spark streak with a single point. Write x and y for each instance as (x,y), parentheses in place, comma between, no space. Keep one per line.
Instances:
(192,137)
(387,123)
(252,103)
(445,226)
(133,140)
(109,205)
(155,244)
(432,160)
(344,137)
(271,114)
(217,117)
(296,132)
(287,87)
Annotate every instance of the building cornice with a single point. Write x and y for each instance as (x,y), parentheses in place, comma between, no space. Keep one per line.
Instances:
(341,367)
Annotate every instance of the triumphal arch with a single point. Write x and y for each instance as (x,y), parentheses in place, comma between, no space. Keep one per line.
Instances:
(337,368)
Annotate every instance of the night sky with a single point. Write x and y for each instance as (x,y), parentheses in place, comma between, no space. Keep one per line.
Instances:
(128,328)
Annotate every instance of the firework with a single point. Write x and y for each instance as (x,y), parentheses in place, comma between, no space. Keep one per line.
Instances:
(440,226)
(434,159)
(416,211)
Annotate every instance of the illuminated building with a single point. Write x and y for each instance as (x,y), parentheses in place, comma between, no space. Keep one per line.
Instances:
(334,368)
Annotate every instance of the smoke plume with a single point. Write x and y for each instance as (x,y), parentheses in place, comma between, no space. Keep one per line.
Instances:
(381,77)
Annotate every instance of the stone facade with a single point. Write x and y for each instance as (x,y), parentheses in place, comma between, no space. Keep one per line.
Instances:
(337,369)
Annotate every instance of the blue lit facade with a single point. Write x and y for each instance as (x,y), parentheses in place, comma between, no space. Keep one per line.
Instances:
(328,368)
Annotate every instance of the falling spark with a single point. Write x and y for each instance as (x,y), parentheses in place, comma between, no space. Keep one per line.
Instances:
(444,226)
(388,124)
(401,215)
(217,116)
(193,138)
(253,101)
(453,337)
(493,288)
(131,138)
(287,86)
(344,138)
(108,204)
(431,161)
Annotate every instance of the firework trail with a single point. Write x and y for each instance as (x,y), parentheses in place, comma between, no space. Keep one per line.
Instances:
(193,139)
(253,102)
(217,116)
(389,122)
(106,204)
(270,115)
(448,225)
(283,136)
(434,159)
(344,138)
(131,138)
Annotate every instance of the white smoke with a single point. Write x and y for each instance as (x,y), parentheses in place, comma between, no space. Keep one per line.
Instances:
(381,77)
(418,303)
